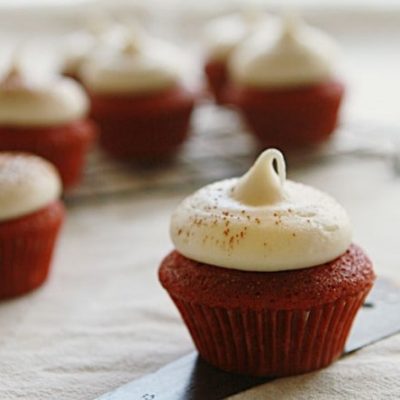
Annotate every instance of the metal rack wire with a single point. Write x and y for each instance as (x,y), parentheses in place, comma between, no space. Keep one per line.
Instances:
(219,148)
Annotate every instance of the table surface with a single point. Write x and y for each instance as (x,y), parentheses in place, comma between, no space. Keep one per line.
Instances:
(102,319)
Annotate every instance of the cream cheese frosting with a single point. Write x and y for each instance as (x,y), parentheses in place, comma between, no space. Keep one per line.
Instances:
(261,222)
(25,101)
(142,65)
(224,34)
(76,49)
(27,184)
(291,54)
(79,45)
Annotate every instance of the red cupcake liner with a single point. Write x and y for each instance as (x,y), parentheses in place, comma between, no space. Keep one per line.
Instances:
(64,146)
(26,249)
(142,137)
(271,342)
(290,118)
(216,73)
(143,126)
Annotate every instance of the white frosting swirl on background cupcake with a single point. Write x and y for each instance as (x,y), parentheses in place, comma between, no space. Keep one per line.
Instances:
(224,34)
(291,54)
(142,65)
(28,102)
(78,46)
(261,222)
(27,184)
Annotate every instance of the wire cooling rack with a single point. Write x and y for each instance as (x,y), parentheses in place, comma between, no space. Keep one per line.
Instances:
(219,147)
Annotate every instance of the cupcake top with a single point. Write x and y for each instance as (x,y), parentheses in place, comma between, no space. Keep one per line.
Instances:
(27,184)
(224,34)
(79,45)
(76,49)
(141,65)
(25,101)
(261,222)
(291,54)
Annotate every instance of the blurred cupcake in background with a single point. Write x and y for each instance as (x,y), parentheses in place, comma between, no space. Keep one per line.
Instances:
(99,32)
(139,98)
(285,84)
(47,117)
(222,36)
(31,215)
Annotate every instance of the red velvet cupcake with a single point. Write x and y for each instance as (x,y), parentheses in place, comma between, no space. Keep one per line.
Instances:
(265,274)
(142,107)
(222,37)
(285,86)
(30,219)
(47,118)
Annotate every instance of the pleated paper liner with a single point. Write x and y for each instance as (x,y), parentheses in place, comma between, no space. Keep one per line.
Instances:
(143,126)
(142,138)
(271,342)
(26,249)
(289,118)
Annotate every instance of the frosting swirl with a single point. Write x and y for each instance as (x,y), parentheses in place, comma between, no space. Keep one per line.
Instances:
(291,54)
(224,34)
(261,222)
(27,183)
(142,65)
(78,46)
(26,102)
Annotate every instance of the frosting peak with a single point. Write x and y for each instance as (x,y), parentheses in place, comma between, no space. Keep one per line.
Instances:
(252,16)
(99,32)
(131,48)
(290,54)
(261,222)
(262,185)
(25,101)
(223,35)
(12,79)
(291,24)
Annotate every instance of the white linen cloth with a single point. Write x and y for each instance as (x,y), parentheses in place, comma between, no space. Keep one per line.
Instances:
(102,319)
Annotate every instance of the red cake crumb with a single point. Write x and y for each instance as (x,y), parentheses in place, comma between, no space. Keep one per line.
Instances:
(302,288)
